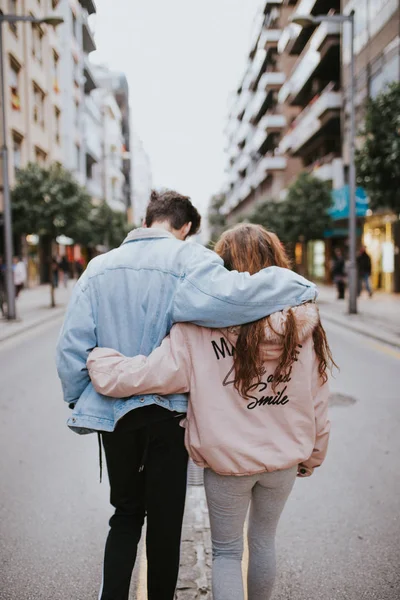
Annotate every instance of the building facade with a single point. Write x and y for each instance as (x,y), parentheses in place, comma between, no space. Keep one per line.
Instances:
(377,63)
(290,114)
(33,100)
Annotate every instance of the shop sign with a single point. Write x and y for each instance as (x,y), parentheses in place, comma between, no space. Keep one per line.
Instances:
(341,203)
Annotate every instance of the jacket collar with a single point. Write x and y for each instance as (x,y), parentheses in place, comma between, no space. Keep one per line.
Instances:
(147,233)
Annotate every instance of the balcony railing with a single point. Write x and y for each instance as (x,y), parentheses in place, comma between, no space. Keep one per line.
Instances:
(271,81)
(272,122)
(308,61)
(89,44)
(254,105)
(308,122)
(270,38)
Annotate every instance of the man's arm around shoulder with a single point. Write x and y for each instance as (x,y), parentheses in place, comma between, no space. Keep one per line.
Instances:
(212,296)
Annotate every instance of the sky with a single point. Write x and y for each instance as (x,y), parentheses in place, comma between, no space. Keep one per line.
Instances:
(182,59)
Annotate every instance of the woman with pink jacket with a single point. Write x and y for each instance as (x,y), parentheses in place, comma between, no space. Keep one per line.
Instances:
(257,415)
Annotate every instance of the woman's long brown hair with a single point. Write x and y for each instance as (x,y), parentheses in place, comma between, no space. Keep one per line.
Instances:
(251,248)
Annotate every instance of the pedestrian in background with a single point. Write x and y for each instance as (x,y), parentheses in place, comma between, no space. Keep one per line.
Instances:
(129,299)
(20,275)
(64,266)
(338,272)
(364,271)
(55,271)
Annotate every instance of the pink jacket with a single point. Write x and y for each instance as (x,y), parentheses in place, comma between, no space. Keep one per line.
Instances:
(232,436)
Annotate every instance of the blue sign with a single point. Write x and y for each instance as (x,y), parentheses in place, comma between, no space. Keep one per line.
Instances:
(341,203)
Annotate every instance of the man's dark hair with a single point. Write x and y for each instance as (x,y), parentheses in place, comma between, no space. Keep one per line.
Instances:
(174,208)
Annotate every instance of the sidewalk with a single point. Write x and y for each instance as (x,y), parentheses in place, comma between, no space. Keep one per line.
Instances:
(378,317)
(33,309)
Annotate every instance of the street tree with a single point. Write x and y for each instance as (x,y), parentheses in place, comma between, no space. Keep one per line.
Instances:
(49,202)
(378,160)
(270,214)
(305,211)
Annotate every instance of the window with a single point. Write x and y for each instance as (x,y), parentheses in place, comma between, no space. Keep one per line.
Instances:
(114,188)
(12,10)
(77,116)
(77,157)
(74,25)
(17,150)
(76,73)
(57,119)
(37,37)
(55,64)
(15,84)
(113,155)
(38,105)
(40,157)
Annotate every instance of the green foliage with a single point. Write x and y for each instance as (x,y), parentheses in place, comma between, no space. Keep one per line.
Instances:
(270,215)
(49,202)
(378,161)
(303,215)
(306,208)
(216,219)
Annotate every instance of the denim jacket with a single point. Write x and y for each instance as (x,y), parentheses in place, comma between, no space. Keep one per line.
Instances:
(129,298)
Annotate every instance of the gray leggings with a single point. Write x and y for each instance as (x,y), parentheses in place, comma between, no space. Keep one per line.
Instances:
(228,500)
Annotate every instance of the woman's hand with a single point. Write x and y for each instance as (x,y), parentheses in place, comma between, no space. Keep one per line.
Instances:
(303,471)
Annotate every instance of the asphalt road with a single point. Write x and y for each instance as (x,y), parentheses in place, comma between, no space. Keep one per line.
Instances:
(339,535)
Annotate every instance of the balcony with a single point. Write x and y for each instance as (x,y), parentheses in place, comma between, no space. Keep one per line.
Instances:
(243,133)
(90,80)
(326,37)
(89,44)
(255,105)
(270,164)
(269,38)
(243,162)
(270,123)
(295,37)
(271,81)
(312,120)
(89,5)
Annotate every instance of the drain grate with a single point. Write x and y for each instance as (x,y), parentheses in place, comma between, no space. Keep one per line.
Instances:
(341,400)
(195,474)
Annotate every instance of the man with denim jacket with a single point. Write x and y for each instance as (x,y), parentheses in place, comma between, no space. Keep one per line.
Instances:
(128,299)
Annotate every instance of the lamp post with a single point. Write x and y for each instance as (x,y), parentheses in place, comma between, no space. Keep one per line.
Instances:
(306,21)
(8,235)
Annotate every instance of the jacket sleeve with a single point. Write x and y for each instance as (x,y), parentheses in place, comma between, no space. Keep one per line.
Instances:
(77,339)
(165,371)
(211,296)
(322,423)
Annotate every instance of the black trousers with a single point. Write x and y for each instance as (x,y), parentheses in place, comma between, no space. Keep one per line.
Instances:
(147,467)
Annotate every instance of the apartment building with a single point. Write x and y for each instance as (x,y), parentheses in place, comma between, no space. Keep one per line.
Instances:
(257,169)
(33,102)
(113,101)
(76,82)
(313,87)
(377,63)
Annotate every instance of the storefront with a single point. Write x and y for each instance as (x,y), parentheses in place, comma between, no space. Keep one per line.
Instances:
(379,240)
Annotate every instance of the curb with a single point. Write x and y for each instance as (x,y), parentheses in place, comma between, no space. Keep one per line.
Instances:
(34,325)
(390,341)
